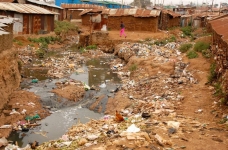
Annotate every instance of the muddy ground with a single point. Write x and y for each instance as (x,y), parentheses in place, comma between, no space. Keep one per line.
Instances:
(196,97)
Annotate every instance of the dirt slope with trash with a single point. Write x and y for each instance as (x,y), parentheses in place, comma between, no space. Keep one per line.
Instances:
(164,103)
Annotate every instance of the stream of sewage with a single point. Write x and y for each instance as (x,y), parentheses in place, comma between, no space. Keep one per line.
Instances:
(67,113)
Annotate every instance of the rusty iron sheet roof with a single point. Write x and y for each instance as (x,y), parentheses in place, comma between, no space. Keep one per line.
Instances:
(7,1)
(132,12)
(171,13)
(44,3)
(90,11)
(24,8)
(81,6)
(220,27)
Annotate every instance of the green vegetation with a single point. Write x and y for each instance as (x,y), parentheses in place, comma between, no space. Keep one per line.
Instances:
(91,47)
(133,67)
(162,42)
(185,47)
(18,42)
(82,50)
(63,27)
(218,90)
(192,54)
(40,53)
(187,31)
(200,46)
(212,74)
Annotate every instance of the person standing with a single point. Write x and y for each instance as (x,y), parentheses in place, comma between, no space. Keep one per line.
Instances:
(122,30)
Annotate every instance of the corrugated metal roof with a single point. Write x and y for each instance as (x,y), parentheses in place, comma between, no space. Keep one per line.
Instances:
(24,8)
(81,6)
(171,13)
(3,21)
(132,12)
(220,27)
(44,3)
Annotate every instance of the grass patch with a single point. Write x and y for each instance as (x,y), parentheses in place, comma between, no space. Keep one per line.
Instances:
(200,46)
(133,67)
(192,54)
(63,27)
(218,90)
(212,73)
(187,31)
(91,47)
(40,53)
(185,47)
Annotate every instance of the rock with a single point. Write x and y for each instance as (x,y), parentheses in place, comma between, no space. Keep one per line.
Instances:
(92,137)
(82,141)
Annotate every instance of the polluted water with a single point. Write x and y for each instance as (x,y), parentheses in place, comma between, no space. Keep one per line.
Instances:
(64,113)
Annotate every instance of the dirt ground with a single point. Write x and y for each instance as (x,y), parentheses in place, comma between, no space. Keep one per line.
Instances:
(197,97)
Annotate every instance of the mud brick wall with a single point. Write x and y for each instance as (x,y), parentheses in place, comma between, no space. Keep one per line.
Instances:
(134,23)
(220,53)
(6,40)
(166,21)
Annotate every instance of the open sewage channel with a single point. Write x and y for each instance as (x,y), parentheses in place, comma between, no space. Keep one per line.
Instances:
(65,113)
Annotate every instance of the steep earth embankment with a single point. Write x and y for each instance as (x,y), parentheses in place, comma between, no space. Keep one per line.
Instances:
(9,75)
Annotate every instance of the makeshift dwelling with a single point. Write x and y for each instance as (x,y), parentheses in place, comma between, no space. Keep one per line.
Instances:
(32,19)
(72,11)
(48,6)
(94,18)
(6,32)
(134,19)
(186,20)
(168,19)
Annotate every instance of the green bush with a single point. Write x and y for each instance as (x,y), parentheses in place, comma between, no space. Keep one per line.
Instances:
(187,31)
(172,39)
(63,27)
(199,46)
(206,53)
(185,47)
(218,90)
(192,54)
(133,67)
(212,73)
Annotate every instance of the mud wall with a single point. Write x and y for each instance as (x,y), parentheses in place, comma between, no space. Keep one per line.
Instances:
(9,75)
(6,41)
(167,21)
(220,52)
(134,23)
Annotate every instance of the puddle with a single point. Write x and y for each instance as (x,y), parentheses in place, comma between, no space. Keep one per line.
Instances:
(67,113)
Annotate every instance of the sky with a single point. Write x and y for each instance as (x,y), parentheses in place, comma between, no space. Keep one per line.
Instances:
(176,1)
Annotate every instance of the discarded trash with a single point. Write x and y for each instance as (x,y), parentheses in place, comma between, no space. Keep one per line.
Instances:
(32,117)
(173,124)
(86,87)
(5,126)
(14,112)
(34,80)
(132,128)
(3,141)
(103,85)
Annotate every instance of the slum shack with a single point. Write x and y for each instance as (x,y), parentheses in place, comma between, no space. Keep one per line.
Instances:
(168,19)
(134,19)
(72,11)
(32,19)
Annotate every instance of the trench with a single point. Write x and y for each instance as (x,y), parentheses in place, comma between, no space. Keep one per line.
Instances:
(66,113)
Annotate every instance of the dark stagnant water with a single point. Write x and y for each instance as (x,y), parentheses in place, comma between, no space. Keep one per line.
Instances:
(67,113)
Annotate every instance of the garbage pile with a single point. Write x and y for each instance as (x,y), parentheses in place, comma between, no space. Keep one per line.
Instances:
(151,121)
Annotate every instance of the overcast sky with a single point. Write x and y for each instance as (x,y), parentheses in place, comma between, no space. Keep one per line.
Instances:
(177,1)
